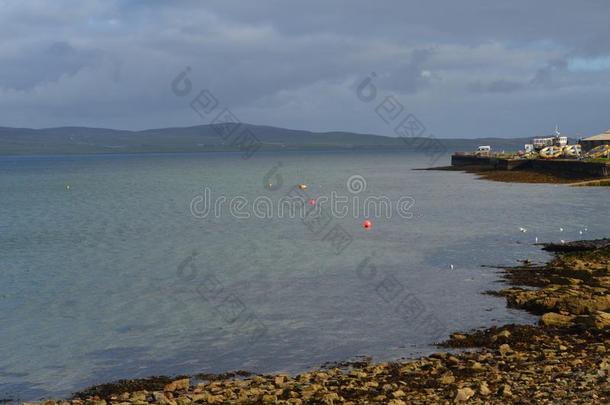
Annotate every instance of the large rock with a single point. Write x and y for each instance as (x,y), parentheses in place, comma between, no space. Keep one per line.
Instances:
(555,319)
(447,378)
(573,299)
(161,399)
(505,391)
(178,385)
(505,350)
(587,302)
(597,320)
(464,394)
(138,396)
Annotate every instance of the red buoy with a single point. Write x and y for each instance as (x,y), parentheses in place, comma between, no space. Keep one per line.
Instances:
(312,202)
(367,224)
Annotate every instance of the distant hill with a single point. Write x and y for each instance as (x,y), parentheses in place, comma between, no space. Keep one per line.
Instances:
(206,138)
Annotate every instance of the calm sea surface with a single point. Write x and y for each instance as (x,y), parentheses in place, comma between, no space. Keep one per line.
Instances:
(114,277)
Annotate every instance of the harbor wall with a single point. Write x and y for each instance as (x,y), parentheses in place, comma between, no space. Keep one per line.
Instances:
(571,166)
(489,162)
(557,166)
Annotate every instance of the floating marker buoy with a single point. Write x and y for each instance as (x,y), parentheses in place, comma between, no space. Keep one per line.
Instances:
(367,224)
(451,266)
(312,202)
(67,187)
(303,186)
(536,239)
(560,229)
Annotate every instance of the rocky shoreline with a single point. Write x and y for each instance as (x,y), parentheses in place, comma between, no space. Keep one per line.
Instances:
(526,176)
(566,359)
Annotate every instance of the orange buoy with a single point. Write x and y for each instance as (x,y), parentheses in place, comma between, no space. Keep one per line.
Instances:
(303,186)
(367,224)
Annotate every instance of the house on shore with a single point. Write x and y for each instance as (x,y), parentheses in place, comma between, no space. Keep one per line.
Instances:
(596,140)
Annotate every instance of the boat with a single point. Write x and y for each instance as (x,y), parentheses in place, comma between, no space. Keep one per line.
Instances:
(554,140)
(541,143)
(551,152)
(572,151)
(601,151)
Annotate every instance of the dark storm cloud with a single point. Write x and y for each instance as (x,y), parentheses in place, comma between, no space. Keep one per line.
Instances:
(48,62)
(542,78)
(470,68)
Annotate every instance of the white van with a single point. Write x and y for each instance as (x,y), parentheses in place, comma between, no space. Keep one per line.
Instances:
(484,150)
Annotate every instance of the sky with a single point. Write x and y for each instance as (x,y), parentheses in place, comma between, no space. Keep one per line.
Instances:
(471,68)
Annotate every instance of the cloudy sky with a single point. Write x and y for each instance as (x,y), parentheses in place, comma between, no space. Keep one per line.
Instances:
(466,69)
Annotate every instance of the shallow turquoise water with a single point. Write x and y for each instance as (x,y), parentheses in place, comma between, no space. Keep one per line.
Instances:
(90,287)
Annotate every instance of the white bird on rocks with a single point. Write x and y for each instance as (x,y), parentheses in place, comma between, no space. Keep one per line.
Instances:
(563,241)
(536,239)
(522,229)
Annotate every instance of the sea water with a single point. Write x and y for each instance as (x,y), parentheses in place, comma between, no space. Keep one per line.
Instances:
(109,268)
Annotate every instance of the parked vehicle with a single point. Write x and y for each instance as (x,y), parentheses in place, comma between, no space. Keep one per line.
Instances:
(483,150)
